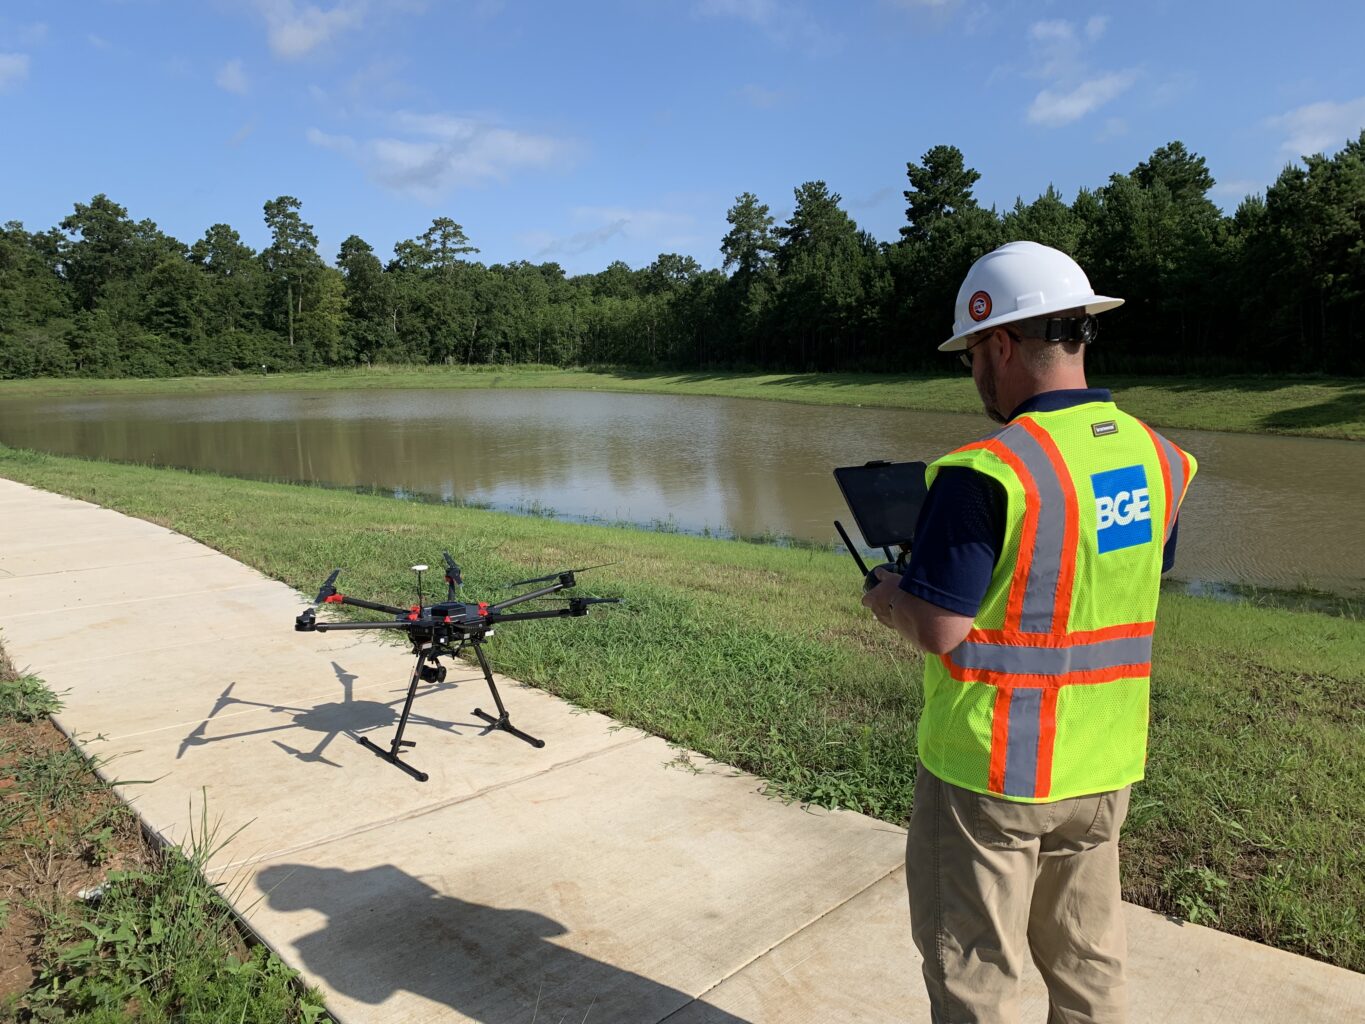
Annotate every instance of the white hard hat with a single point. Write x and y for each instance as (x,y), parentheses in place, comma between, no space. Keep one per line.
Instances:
(1019,281)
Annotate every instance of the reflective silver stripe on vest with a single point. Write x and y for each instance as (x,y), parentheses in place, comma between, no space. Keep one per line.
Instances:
(1177,467)
(1040,589)
(1021,753)
(1053,661)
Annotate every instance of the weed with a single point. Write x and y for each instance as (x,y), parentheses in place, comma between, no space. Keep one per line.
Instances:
(27,700)
(1199,892)
(158,943)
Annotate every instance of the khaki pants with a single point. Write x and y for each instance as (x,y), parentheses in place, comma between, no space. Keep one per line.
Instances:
(992,879)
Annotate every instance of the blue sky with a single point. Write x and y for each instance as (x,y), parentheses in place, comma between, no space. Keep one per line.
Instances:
(584,132)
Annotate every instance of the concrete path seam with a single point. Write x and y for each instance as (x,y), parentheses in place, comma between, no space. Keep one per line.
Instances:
(147,600)
(188,644)
(100,564)
(143,563)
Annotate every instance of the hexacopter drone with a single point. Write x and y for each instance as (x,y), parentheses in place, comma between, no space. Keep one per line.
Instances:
(445,629)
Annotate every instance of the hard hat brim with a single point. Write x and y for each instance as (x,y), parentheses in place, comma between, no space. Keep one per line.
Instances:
(1095,304)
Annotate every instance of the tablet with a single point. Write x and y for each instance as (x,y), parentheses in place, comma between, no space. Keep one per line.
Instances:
(885,499)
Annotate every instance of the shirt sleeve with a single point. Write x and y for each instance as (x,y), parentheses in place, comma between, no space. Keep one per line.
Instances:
(958,539)
(1168,553)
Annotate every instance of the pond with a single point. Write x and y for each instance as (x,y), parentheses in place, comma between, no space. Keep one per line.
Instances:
(1265,511)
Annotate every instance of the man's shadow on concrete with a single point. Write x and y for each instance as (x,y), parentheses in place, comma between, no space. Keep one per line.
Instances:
(389,932)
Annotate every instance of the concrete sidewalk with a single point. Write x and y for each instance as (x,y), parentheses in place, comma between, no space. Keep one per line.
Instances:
(604,878)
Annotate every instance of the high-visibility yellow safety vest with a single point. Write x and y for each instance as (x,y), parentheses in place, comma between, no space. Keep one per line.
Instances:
(1047,696)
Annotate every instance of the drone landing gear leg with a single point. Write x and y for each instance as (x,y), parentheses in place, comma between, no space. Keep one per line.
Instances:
(501,721)
(396,748)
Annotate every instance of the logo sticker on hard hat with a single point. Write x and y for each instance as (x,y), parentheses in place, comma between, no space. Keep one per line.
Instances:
(979,307)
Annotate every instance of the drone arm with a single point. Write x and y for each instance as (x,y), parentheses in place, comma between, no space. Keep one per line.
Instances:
(326,627)
(576,606)
(356,602)
(550,613)
(530,595)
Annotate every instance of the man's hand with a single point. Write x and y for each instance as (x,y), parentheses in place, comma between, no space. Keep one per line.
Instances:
(881,597)
(929,627)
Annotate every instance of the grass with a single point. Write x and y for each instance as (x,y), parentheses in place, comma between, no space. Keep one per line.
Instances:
(157,944)
(1312,406)
(1253,813)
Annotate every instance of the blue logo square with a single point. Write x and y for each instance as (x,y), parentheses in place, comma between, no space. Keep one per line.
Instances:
(1123,510)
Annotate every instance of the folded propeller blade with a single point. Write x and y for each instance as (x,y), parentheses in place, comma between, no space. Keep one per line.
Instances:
(328,588)
(555,575)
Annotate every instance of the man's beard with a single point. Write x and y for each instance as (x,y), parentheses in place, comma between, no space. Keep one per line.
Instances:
(989,399)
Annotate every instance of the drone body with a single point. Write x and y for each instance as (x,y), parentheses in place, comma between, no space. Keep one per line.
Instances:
(444,629)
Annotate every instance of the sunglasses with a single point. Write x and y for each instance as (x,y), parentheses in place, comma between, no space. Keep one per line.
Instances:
(1063,328)
(966,354)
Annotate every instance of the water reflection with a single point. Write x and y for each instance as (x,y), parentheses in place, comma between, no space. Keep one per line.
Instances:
(1270,511)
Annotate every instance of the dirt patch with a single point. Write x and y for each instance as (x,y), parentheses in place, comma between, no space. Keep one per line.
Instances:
(51,850)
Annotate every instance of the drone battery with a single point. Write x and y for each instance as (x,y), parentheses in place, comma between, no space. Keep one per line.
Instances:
(885,499)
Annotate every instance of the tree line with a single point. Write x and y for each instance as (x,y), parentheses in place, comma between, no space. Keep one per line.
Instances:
(1277,286)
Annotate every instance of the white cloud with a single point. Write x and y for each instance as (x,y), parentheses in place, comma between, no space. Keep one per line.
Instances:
(664,229)
(1059,57)
(785,24)
(13,69)
(1114,127)
(336,143)
(98,42)
(1058,107)
(1320,127)
(1052,31)
(760,98)
(575,244)
(241,134)
(428,155)
(295,30)
(758,12)
(1057,49)
(32,35)
(1238,188)
(232,77)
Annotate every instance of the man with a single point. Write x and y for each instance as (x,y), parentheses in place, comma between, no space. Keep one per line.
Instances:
(1032,588)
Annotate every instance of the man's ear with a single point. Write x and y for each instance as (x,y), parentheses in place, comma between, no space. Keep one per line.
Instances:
(1001,343)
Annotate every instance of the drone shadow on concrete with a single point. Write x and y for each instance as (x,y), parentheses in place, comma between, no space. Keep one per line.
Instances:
(347,717)
(389,932)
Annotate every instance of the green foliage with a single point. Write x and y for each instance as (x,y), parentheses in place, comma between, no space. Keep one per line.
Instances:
(1253,808)
(1275,287)
(157,944)
(26,700)
(1197,892)
(938,189)
(163,941)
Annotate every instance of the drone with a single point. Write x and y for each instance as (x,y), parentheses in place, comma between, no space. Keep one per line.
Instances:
(444,629)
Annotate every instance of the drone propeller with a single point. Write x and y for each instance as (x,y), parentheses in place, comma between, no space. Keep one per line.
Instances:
(328,589)
(555,575)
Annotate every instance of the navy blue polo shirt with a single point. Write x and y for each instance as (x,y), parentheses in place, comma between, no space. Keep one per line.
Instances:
(961,528)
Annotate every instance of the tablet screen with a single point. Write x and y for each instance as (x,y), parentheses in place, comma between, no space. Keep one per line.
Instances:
(885,499)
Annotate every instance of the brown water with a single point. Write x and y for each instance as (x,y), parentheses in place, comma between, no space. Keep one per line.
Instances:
(1267,511)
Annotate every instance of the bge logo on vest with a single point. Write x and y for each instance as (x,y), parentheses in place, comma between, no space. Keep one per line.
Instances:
(1123,513)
